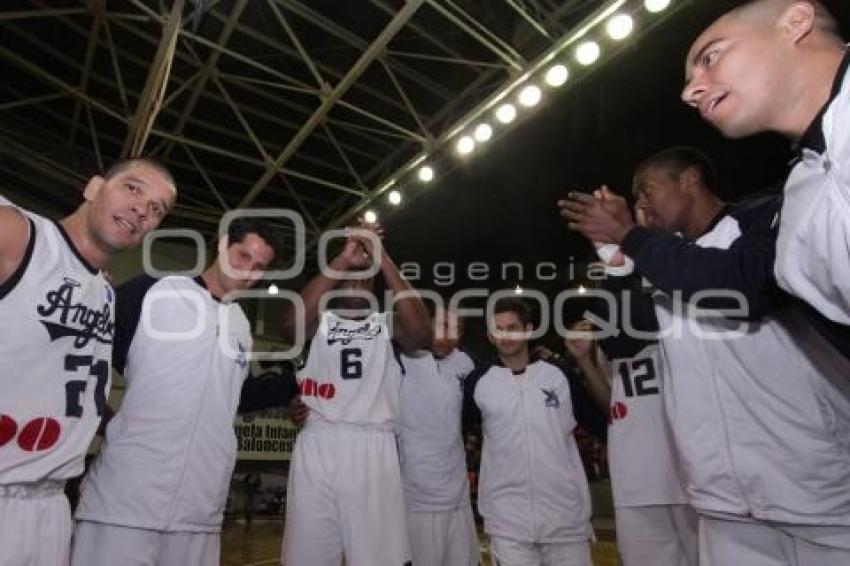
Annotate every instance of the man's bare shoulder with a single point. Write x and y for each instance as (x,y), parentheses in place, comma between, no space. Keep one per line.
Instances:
(14,235)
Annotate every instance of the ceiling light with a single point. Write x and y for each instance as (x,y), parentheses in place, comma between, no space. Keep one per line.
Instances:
(655,6)
(530,96)
(620,27)
(506,113)
(465,145)
(483,133)
(557,75)
(426,174)
(587,53)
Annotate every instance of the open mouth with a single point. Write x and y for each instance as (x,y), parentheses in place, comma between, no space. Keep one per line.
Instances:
(649,218)
(709,106)
(129,226)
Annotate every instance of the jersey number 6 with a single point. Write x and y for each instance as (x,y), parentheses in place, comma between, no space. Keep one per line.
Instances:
(350,364)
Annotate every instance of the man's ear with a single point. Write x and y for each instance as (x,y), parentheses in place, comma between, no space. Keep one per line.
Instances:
(797,21)
(93,187)
(690,177)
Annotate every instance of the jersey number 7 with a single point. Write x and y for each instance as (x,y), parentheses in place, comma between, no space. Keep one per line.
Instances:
(74,389)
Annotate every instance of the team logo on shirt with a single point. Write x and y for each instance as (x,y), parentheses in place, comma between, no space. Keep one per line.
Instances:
(63,317)
(552,400)
(366,331)
(241,356)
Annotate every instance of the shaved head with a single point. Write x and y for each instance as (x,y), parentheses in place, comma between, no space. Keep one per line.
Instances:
(769,11)
(767,65)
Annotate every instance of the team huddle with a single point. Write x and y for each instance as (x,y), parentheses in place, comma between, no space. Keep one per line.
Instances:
(718,350)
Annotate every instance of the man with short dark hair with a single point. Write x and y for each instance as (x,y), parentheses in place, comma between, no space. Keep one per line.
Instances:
(433,463)
(781,66)
(746,401)
(155,495)
(532,492)
(57,325)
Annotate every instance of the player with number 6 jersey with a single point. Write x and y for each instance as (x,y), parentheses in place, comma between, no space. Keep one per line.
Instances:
(57,322)
(345,493)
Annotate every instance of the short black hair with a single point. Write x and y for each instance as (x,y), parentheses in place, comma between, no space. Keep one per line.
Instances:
(677,159)
(244,225)
(122,165)
(514,305)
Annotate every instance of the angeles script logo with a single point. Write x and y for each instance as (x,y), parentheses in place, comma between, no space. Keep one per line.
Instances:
(366,331)
(75,319)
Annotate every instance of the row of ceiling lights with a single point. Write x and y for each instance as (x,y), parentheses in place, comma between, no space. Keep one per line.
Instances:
(618,27)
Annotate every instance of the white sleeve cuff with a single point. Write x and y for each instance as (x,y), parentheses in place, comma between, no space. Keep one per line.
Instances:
(607,252)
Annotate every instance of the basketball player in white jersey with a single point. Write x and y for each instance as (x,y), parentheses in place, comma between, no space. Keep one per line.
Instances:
(533,491)
(760,412)
(56,333)
(433,462)
(344,496)
(655,524)
(155,495)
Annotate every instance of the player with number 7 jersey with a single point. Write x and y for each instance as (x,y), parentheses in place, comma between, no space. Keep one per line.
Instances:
(57,324)
(344,496)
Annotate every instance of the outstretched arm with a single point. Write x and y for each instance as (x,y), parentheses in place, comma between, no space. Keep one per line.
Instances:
(671,263)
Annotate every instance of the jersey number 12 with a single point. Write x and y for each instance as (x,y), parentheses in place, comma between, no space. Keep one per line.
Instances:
(638,380)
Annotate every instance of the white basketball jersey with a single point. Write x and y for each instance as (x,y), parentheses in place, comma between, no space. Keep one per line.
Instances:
(433,461)
(641,454)
(351,375)
(56,332)
(170,449)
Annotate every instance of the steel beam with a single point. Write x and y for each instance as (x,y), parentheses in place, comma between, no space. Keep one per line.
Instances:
(98,7)
(374,50)
(150,100)
(338,31)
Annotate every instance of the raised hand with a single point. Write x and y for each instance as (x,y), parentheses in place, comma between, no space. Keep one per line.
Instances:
(603,217)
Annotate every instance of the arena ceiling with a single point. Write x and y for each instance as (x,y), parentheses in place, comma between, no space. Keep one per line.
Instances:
(321,106)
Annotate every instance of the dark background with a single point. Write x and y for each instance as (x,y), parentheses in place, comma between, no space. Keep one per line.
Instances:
(500,206)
